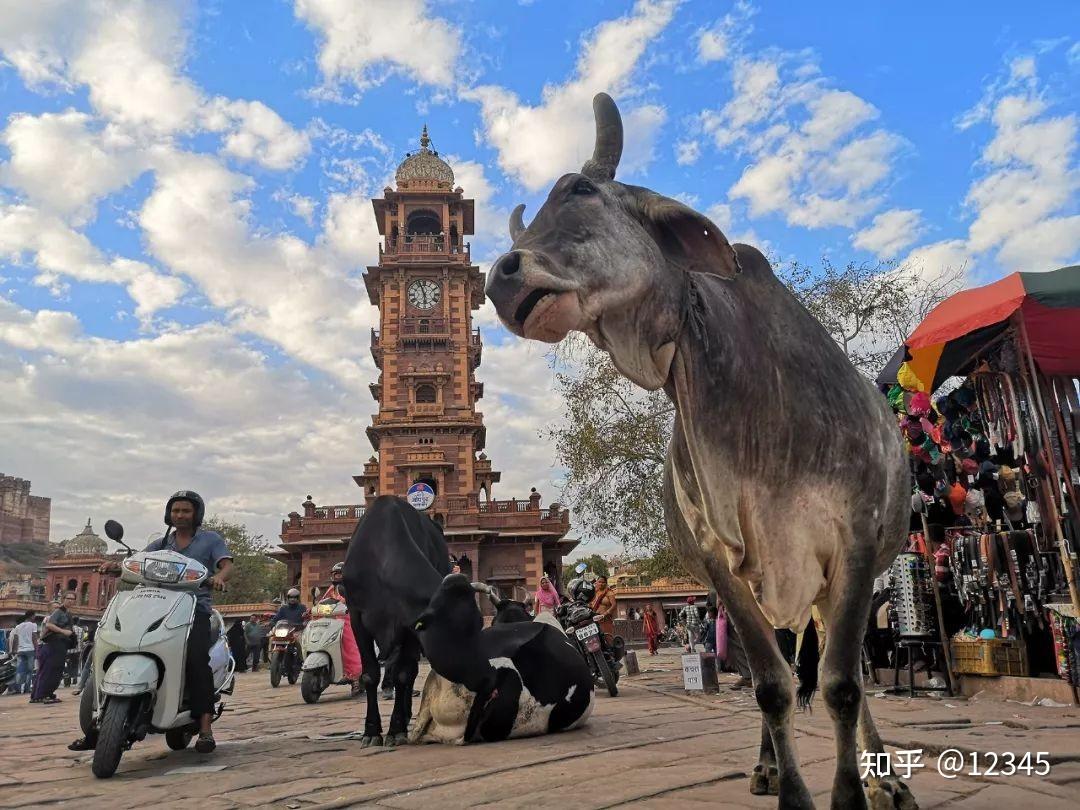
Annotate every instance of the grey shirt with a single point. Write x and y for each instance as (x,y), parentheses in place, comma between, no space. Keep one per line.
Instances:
(62,619)
(254,633)
(206,547)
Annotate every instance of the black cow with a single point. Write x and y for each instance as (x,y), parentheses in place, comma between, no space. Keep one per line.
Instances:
(397,557)
(514,679)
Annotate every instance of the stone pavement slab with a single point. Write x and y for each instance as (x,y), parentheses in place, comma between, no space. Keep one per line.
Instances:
(653,746)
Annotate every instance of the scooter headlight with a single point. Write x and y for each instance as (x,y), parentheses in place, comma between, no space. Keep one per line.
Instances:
(163,570)
(281,632)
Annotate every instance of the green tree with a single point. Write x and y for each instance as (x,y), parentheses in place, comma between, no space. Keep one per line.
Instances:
(597,564)
(256,577)
(614,437)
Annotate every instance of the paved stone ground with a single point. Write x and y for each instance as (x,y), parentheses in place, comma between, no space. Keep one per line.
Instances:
(653,746)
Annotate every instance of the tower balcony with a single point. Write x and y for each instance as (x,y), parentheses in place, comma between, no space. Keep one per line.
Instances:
(426,249)
(376,349)
(476,347)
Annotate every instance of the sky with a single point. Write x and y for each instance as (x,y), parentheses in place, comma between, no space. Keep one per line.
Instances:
(185,200)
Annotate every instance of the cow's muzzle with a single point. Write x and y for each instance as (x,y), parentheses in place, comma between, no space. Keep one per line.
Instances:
(530,301)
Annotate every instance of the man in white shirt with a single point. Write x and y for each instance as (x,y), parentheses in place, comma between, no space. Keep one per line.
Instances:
(24,639)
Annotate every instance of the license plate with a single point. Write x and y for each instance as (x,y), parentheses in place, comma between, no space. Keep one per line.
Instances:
(587,632)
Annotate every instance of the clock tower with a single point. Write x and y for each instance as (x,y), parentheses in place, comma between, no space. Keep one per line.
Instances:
(426,288)
(427,429)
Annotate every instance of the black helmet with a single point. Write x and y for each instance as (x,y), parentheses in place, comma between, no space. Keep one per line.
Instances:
(194,498)
(337,569)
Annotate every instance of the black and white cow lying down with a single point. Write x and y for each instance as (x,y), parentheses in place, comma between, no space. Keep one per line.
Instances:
(517,679)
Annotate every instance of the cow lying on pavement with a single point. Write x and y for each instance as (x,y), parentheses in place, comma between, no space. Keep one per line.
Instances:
(516,679)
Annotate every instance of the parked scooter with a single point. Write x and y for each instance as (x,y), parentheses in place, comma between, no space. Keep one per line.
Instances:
(321,644)
(285,657)
(7,670)
(137,686)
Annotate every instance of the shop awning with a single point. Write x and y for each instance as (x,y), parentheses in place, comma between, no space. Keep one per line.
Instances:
(957,328)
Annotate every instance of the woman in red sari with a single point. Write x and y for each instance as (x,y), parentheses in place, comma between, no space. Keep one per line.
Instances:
(651,625)
(350,654)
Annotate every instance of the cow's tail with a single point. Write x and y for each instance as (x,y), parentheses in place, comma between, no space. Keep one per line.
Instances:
(806,667)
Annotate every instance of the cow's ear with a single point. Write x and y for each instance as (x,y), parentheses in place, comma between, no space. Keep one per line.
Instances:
(422,621)
(701,246)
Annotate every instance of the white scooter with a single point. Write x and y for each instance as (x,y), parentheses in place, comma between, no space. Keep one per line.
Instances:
(137,684)
(321,645)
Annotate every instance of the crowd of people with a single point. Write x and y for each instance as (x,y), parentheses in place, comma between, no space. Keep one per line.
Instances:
(48,650)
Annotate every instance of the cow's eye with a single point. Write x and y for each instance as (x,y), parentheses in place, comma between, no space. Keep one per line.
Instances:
(583,186)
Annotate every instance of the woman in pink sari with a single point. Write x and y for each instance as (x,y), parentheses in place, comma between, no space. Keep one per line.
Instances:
(546,598)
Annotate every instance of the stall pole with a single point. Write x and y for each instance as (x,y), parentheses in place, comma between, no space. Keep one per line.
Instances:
(946,649)
(1051,502)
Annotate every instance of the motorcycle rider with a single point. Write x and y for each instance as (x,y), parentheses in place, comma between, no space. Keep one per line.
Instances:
(350,653)
(184,514)
(293,611)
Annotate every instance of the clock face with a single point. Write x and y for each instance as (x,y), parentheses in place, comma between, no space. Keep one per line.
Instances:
(423,294)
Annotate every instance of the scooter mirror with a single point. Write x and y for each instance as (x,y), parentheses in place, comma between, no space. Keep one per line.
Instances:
(114,531)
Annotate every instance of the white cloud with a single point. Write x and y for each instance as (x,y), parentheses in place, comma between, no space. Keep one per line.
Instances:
(127,54)
(62,164)
(814,159)
(300,296)
(303,207)
(59,252)
(933,260)
(196,398)
(1023,200)
(687,152)
(363,43)
(712,45)
(130,55)
(890,232)
(537,144)
(257,133)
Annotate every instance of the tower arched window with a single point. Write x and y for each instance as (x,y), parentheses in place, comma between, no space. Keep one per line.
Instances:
(425,393)
(423,223)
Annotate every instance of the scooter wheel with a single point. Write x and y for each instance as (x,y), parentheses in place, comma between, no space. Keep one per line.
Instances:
(311,686)
(112,738)
(179,738)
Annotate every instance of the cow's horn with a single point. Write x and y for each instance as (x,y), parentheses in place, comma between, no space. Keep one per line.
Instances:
(517,224)
(609,140)
(481,587)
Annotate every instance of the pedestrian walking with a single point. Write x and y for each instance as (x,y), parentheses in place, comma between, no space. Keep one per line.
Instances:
(57,636)
(651,627)
(254,635)
(24,643)
(691,620)
(238,644)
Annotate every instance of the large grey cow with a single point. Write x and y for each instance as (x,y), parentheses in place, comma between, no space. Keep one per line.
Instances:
(785,484)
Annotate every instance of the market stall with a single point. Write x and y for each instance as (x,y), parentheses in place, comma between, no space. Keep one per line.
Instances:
(996,465)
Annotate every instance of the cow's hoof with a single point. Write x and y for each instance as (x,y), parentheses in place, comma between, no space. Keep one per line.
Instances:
(371,740)
(889,793)
(387,694)
(765,782)
(393,740)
